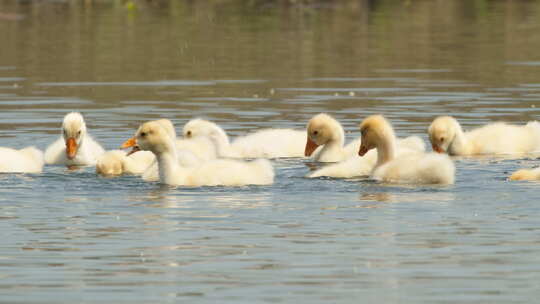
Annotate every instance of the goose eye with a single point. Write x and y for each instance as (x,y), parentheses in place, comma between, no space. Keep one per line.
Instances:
(79,133)
(188,133)
(143,134)
(441,139)
(315,132)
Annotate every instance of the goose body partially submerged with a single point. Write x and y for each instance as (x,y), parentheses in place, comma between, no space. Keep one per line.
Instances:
(152,136)
(118,162)
(356,166)
(190,152)
(526,174)
(447,136)
(266,143)
(27,160)
(75,147)
(412,168)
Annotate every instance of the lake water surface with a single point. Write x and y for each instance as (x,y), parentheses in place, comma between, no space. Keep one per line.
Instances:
(71,236)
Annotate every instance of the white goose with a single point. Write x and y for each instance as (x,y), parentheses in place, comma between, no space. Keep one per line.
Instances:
(356,166)
(446,135)
(118,162)
(526,174)
(152,136)
(75,146)
(267,143)
(415,167)
(323,130)
(186,149)
(27,160)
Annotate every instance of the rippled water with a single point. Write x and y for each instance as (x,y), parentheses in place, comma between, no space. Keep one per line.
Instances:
(71,236)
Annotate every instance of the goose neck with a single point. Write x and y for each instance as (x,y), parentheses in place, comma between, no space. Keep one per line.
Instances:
(459,144)
(386,149)
(330,149)
(168,166)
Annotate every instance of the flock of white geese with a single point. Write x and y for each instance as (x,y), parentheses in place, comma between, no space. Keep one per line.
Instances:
(204,155)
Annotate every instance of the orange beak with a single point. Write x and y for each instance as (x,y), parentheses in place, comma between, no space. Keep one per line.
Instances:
(310,147)
(363,150)
(71,148)
(437,148)
(131,143)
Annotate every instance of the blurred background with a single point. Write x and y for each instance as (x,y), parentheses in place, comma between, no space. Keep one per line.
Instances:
(113,51)
(282,39)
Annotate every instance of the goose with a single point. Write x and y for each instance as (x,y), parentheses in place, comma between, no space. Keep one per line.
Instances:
(152,136)
(266,143)
(118,162)
(526,174)
(356,166)
(75,146)
(446,135)
(323,130)
(27,160)
(414,167)
(186,150)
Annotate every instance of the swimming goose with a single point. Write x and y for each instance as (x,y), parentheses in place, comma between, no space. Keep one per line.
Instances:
(323,130)
(447,136)
(356,166)
(118,162)
(266,143)
(152,136)
(75,146)
(414,167)
(186,150)
(526,174)
(27,160)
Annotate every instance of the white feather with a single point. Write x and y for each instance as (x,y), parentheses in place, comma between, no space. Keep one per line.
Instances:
(412,168)
(27,160)
(153,137)
(267,143)
(88,150)
(446,135)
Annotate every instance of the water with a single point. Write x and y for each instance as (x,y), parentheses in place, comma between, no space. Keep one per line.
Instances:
(71,236)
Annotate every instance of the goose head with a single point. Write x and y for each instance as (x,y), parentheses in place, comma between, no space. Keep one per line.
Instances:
(200,127)
(151,136)
(375,131)
(168,126)
(322,129)
(165,124)
(73,132)
(442,133)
